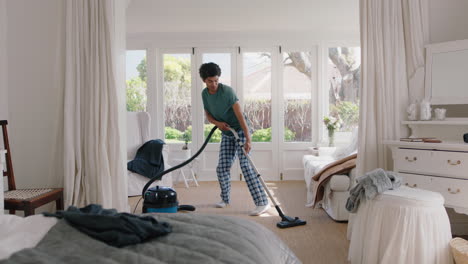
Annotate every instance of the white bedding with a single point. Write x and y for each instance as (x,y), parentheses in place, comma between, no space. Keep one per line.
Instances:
(17,233)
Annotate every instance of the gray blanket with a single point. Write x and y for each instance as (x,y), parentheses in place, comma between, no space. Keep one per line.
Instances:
(196,238)
(371,184)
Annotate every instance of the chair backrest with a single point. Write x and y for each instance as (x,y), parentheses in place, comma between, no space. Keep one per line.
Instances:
(9,165)
(138,131)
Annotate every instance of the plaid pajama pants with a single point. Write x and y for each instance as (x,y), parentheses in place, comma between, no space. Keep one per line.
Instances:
(227,154)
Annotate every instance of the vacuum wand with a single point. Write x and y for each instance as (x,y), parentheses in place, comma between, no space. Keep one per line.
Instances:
(286,221)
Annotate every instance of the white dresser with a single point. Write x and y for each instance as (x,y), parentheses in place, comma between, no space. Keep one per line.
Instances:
(440,167)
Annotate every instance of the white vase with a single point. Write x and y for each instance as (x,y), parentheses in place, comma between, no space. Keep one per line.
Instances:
(187,153)
(425,113)
(331,138)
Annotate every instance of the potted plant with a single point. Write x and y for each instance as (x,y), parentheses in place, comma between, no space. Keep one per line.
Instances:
(332,123)
(186,140)
(185,147)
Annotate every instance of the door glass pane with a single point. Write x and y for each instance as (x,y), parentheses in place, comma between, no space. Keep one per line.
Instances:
(224,62)
(177,98)
(297,87)
(257,93)
(136,80)
(344,68)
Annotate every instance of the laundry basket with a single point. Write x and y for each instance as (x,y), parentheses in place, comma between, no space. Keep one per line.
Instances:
(459,248)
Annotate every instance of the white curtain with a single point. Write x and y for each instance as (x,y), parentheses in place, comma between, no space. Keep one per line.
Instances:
(416,26)
(3,64)
(3,83)
(93,160)
(393,34)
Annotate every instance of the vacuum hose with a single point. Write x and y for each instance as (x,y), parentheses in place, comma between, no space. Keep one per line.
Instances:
(161,174)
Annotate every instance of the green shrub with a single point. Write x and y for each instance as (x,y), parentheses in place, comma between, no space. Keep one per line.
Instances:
(188,133)
(289,135)
(262,135)
(172,133)
(216,137)
(349,113)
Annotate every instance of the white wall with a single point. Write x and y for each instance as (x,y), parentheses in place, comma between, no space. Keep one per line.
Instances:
(448,21)
(34,42)
(35,87)
(242,16)
(240,23)
(3,63)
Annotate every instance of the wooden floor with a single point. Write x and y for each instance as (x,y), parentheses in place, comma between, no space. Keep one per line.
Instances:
(322,240)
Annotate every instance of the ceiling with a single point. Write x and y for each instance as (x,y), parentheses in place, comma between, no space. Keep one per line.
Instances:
(242,15)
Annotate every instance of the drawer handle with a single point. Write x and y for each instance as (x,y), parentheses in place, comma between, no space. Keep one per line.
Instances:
(414,185)
(454,163)
(411,160)
(453,192)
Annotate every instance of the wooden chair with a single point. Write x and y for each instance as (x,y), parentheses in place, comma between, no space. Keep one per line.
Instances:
(26,200)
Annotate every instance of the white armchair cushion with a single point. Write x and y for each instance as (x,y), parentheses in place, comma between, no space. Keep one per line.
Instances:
(339,183)
(350,149)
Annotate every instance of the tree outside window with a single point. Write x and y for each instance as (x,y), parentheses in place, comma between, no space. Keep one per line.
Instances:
(344,76)
(136,80)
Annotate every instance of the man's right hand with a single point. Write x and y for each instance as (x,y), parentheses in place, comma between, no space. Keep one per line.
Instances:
(223,126)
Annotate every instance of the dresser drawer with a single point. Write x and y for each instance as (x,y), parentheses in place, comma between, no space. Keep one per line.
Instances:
(454,191)
(416,181)
(411,160)
(451,164)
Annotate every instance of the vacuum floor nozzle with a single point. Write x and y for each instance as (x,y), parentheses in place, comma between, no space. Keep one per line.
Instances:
(290,222)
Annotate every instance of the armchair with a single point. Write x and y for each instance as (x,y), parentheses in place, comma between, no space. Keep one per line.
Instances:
(138,132)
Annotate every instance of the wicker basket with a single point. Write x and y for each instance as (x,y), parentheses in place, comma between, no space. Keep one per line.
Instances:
(459,248)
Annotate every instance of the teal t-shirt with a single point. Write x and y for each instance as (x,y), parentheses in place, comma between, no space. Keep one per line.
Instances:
(219,105)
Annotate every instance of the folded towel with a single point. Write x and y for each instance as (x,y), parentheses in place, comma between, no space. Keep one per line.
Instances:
(113,228)
(371,184)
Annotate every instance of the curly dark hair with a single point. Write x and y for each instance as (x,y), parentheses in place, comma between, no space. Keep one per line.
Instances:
(209,69)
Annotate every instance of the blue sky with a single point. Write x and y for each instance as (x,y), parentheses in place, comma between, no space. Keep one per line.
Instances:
(134,58)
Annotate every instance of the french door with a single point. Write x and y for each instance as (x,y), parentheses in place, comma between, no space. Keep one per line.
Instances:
(270,91)
(226,59)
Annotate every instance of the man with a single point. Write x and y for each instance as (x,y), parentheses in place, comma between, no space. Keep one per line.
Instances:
(222,108)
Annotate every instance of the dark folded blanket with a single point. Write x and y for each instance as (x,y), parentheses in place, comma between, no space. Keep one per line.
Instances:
(371,184)
(148,160)
(113,228)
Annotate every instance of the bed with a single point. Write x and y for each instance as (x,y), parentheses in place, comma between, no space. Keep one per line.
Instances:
(195,238)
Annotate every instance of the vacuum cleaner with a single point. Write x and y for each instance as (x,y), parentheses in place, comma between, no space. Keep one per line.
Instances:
(286,221)
(162,199)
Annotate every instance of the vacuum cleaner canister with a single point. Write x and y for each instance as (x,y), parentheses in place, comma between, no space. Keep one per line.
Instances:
(160,199)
